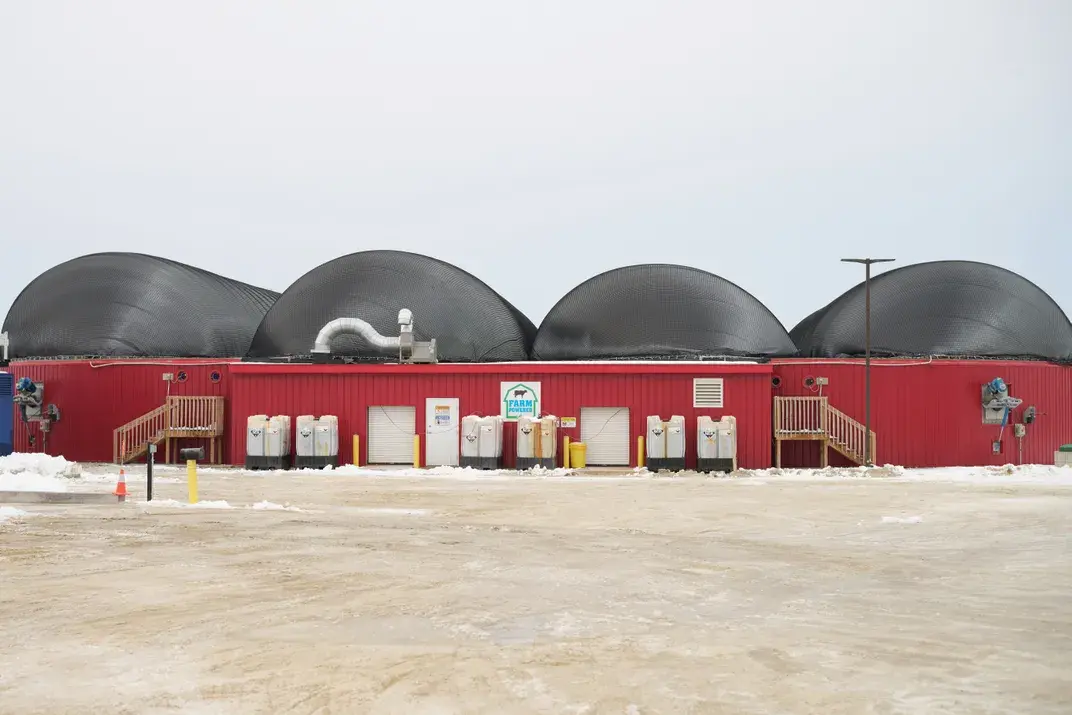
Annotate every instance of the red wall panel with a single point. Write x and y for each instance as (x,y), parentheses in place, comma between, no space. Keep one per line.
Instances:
(925,413)
(348,392)
(928,413)
(96,396)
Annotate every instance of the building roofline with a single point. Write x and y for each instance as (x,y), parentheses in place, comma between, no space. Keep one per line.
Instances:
(612,367)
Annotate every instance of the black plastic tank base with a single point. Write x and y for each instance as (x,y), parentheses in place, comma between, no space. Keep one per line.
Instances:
(481,462)
(524,463)
(318,462)
(714,465)
(670,464)
(268,462)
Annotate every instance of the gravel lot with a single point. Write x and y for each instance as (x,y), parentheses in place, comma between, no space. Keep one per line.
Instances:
(541,595)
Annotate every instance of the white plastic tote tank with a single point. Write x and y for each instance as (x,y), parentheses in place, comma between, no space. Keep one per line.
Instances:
(489,442)
(665,445)
(498,420)
(655,441)
(526,439)
(304,441)
(470,440)
(548,444)
(268,442)
(256,434)
(316,442)
(675,439)
(326,436)
(716,444)
(277,443)
(537,442)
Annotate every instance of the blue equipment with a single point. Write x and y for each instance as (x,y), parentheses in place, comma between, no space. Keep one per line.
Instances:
(7,415)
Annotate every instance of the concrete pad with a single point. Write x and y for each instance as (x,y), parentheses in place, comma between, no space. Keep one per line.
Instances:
(20,497)
(529,596)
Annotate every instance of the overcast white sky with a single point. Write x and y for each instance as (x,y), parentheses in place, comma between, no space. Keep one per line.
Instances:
(538,143)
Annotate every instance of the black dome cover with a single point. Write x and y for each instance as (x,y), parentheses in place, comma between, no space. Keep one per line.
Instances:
(134,305)
(947,308)
(469,321)
(659,311)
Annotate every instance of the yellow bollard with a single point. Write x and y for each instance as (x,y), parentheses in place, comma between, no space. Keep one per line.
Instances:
(565,452)
(416,451)
(357,451)
(191,479)
(640,451)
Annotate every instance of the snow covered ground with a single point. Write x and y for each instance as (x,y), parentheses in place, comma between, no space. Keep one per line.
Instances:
(44,473)
(37,472)
(10,512)
(390,591)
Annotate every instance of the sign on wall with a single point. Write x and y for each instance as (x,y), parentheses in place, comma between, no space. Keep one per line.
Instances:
(568,423)
(520,399)
(442,415)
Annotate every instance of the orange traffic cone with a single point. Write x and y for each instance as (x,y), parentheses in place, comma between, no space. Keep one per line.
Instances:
(121,487)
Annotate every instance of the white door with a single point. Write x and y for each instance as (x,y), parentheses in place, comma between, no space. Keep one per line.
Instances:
(390,434)
(605,432)
(442,431)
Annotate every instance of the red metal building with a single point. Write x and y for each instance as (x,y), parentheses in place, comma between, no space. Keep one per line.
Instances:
(96,396)
(928,413)
(609,401)
(924,412)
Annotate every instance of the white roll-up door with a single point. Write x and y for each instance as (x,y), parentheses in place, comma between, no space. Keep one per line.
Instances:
(390,434)
(605,431)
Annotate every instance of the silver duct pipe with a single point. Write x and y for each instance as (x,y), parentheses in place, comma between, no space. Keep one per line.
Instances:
(353,326)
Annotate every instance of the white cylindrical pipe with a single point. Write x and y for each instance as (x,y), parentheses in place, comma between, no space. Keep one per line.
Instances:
(352,326)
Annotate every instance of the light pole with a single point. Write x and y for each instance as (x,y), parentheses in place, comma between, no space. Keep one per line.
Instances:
(867,348)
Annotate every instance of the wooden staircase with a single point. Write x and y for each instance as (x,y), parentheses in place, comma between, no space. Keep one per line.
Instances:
(178,418)
(813,419)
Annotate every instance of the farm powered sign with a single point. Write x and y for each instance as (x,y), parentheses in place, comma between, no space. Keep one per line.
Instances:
(520,399)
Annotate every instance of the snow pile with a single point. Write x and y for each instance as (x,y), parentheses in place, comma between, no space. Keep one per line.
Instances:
(1045,474)
(259,506)
(133,475)
(10,512)
(22,472)
(270,506)
(539,471)
(1005,474)
(902,520)
(176,503)
(463,473)
(785,474)
(40,464)
(392,510)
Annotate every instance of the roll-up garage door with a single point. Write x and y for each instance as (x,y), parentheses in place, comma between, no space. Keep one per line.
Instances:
(390,434)
(605,431)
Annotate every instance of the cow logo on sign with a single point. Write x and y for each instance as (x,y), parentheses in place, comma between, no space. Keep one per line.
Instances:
(520,399)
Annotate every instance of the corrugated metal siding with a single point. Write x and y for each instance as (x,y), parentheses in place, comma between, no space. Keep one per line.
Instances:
(95,397)
(929,413)
(348,395)
(7,413)
(925,414)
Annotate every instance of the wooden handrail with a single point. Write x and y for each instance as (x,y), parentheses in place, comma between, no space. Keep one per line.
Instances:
(195,413)
(799,415)
(814,418)
(180,416)
(127,438)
